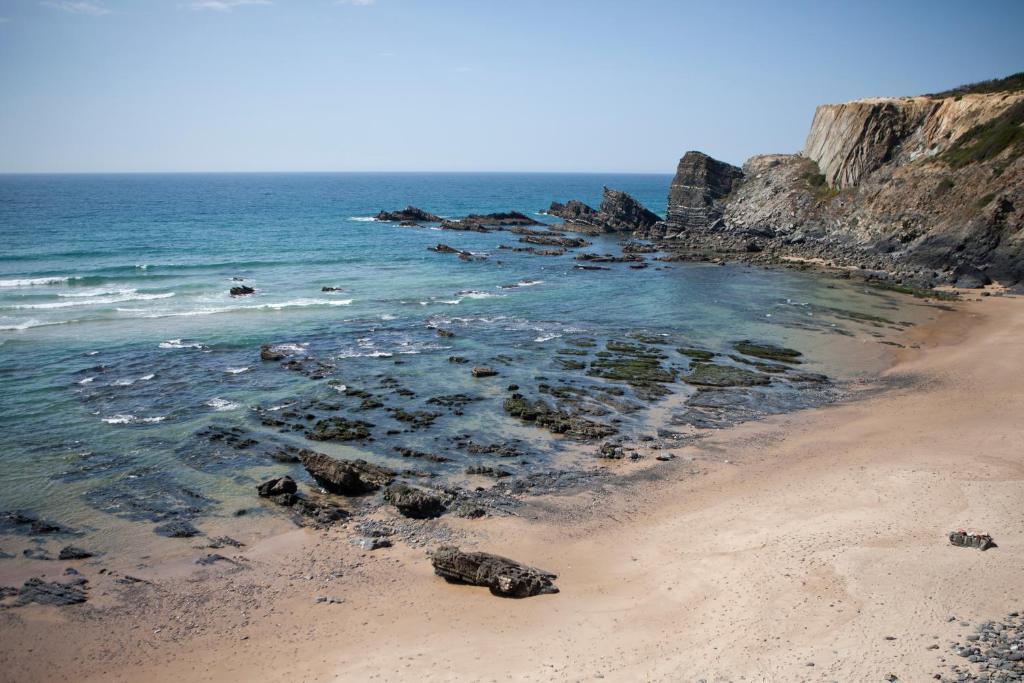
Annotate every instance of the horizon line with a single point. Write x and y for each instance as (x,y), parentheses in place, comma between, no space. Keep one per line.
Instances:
(511,172)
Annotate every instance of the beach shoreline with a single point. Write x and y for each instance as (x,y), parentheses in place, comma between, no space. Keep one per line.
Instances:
(790,548)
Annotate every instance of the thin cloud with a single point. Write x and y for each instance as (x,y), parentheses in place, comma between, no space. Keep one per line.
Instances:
(79,7)
(225,5)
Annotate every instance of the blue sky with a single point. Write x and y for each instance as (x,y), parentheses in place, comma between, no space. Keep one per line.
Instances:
(472,85)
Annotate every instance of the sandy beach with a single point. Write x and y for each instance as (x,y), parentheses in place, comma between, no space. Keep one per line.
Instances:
(810,546)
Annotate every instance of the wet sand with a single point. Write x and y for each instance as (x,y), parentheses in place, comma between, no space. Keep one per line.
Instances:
(809,546)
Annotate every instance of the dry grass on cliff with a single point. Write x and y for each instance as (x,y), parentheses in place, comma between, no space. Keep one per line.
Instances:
(990,139)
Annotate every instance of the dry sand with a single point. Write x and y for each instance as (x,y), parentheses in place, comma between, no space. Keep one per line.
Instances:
(785,550)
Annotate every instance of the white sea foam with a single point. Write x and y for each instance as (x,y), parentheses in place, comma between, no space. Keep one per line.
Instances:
(340,388)
(95,291)
(529,283)
(86,380)
(146,378)
(32,281)
(220,404)
(476,294)
(547,337)
(362,219)
(236,371)
(213,310)
(179,344)
(96,301)
(131,419)
(388,316)
(125,382)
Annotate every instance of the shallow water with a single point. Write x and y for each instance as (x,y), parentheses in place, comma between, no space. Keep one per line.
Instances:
(119,342)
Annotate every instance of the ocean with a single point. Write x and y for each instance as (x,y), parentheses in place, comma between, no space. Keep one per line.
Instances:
(131,384)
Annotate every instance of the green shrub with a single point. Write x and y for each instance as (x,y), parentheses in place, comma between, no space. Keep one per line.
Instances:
(990,139)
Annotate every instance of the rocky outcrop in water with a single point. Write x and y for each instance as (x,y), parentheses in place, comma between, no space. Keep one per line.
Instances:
(619,212)
(695,196)
(504,577)
(408,214)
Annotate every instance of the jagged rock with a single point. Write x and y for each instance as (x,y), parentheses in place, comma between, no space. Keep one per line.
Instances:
(486,222)
(277,487)
(71,552)
(504,577)
(346,477)
(484,371)
(414,502)
(409,213)
(555,241)
(619,212)
(242,290)
(52,593)
(695,196)
(271,352)
(331,289)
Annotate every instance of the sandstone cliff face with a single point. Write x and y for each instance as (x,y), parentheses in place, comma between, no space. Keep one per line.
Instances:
(925,188)
(849,141)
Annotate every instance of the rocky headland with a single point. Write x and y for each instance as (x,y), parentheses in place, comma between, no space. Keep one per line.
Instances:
(919,191)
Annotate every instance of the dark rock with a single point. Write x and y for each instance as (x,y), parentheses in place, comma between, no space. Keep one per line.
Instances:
(767,351)
(695,196)
(409,213)
(331,289)
(414,502)
(966,540)
(488,471)
(504,577)
(339,429)
(573,210)
(70,552)
(52,593)
(457,359)
(969,277)
(441,332)
(483,371)
(178,528)
(714,375)
(15,522)
(346,477)
(277,487)
(696,354)
(619,212)
(242,290)
(214,558)
(555,241)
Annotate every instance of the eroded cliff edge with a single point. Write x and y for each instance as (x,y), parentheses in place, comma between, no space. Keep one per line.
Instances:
(929,190)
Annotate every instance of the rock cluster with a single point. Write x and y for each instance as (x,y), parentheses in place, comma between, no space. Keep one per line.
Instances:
(619,212)
(997,650)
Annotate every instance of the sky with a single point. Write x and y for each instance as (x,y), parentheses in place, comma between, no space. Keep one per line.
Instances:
(461,85)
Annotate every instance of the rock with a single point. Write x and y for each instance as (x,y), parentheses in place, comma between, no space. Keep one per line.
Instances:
(441,332)
(696,354)
(270,352)
(965,540)
(178,528)
(409,213)
(71,552)
(458,359)
(414,502)
(767,351)
(52,593)
(488,471)
(555,241)
(242,290)
(504,577)
(619,212)
(483,371)
(346,477)
(969,277)
(695,195)
(339,429)
(714,375)
(371,543)
(15,522)
(331,289)
(277,487)
(213,558)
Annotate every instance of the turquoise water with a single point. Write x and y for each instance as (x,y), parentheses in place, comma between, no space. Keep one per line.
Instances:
(119,342)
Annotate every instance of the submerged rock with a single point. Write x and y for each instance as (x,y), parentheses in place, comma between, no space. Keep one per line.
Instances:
(714,375)
(242,290)
(71,552)
(178,528)
(346,477)
(767,351)
(15,522)
(504,577)
(484,371)
(339,429)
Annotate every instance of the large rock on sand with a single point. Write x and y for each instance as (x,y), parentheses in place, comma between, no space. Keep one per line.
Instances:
(504,577)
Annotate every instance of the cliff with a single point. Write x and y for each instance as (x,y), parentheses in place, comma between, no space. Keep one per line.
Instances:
(927,189)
